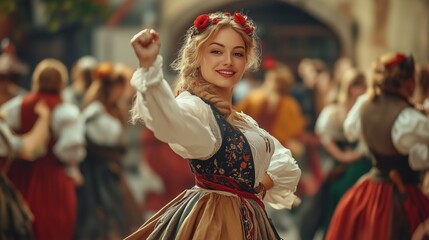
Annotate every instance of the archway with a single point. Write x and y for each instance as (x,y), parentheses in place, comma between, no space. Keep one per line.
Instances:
(289,30)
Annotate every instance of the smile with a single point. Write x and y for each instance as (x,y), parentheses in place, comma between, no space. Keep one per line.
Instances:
(225,73)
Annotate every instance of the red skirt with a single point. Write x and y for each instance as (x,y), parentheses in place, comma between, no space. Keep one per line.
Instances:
(374,209)
(50,194)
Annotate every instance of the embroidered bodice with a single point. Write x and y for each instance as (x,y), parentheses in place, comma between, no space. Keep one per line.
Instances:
(233,159)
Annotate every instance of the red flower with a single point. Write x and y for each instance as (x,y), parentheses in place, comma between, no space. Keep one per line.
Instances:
(398,59)
(268,62)
(215,20)
(201,22)
(243,165)
(246,158)
(249,30)
(239,19)
(227,14)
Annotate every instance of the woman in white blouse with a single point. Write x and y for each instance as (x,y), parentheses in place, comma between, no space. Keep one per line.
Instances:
(44,181)
(104,198)
(388,203)
(350,161)
(236,163)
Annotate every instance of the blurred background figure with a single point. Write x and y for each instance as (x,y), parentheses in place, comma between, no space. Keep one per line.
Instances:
(421,94)
(15,216)
(421,100)
(82,77)
(171,170)
(272,106)
(106,206)
(244,87)
(349,158)
(341,65)
(11,72)
(276,111)
(395,134)
(44,181)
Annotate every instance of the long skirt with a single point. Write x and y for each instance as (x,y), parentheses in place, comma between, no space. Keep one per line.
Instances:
(374,209)
(207,214)
(15,216)
(50,194)
(106,207)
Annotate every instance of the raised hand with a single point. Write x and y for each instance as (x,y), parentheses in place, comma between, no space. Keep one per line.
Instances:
(146,45)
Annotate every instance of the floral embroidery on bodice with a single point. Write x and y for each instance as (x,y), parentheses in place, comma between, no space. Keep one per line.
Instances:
(233,160)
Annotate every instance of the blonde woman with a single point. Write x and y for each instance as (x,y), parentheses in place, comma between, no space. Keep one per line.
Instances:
(236,163)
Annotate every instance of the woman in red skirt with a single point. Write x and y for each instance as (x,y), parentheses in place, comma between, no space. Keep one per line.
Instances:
(387,204)
(44,183)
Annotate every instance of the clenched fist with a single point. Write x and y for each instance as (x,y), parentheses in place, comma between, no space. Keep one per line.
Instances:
(146,45)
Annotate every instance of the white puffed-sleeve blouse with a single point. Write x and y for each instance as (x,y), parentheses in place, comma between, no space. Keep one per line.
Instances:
(65,124)
(101,127)
(15,141)
(410,133)
(188,125)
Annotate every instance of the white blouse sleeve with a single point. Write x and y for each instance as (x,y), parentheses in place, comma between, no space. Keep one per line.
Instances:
(325,124)
(12,110)
(352,125)
(101,127)
(15,141)
(410,135)
(184,122)
(285,173)
(69,130)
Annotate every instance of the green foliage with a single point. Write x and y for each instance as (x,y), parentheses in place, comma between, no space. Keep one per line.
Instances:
(59,13)
(7,6)
(74,11)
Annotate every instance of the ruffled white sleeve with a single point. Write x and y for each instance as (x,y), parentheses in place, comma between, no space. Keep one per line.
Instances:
(285,173)
(12,110)
(325,124)
(15,141)
(352,124)
(69,130)
(410,135)
(184,122)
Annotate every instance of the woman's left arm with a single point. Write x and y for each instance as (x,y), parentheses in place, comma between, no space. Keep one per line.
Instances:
(282,178)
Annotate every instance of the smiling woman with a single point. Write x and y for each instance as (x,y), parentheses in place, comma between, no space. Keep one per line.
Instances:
(236,164)
(223,61)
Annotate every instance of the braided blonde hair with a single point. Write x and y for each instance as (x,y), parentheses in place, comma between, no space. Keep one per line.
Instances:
(190,78)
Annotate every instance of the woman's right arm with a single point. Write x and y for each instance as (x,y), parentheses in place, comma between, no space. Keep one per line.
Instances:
(183,122)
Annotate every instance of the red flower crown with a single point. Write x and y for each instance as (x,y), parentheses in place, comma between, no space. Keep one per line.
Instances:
(203,21)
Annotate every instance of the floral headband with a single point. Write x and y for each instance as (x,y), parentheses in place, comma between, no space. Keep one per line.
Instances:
(400,59)
(203,21)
